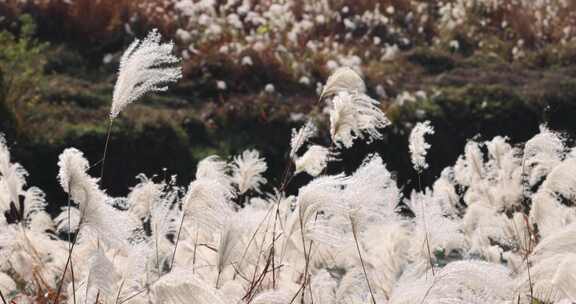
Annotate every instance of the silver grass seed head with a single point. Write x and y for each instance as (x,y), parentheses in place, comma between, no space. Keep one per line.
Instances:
(344,79)
(418,145)
(146,66)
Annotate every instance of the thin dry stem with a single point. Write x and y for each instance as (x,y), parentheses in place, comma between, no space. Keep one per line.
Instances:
(426,228)
(105,149)
(177,239)
(362,260)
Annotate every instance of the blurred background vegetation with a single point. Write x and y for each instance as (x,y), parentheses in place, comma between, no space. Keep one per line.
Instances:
(476,69)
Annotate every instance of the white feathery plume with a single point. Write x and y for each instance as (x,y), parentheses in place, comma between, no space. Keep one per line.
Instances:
(34,215)
(5,200)
(113,227)
(321,194)
(354,115)
(277,296)
(461,282)
(344,79)
(343,120)
(12,177)
(164,219)
(7,285)
(504,174)
(313,161)
(73,177)
(387,250)
(444,192)
(418,145)
(433,228)
(230,237)
(562,180)
(40,222)
(247,170)
(212,167)
(518,233)
(371,195)
(551,278)
(32,254)
(14,251)
(353,288)
(484,225)
(470,166)
(143,197)
(12,182)
(34,201)
(209,203)
(498,148)
(331,207)
(572,153)
(565,275)
(541,154)
(562,241)
(300,137)
(233,291)
(183,287)
(102,277)
(101,220)
(146,66)
(62,220)
(139,267)
(547,210)
(553,261)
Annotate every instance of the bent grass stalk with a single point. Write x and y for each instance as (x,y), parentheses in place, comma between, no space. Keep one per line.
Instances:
(425,227)
(355,235)
(70,250)
(529,249)
(3,298)
(111,121)
(69,261)
(177,240)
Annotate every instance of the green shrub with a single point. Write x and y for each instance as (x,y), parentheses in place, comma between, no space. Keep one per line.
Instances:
(21,66)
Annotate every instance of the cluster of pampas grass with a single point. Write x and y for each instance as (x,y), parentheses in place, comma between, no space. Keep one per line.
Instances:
(497,227)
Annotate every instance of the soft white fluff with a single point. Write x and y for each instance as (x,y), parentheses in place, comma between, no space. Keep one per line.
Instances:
(102,278)
(300,137)
(214,168)
(313,161)
(344,79)
(247,170)
(7,285)
(99,219)
(143,197)
(541,154)
(180,287)
(73,177)
(208,202)
(62,220)
(12,178)
(146,66)
(354,115)
(462,282)
(418,145)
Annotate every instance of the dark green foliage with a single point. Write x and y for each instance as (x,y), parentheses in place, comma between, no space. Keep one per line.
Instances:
(21,64)
(470,92)
(433,61)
